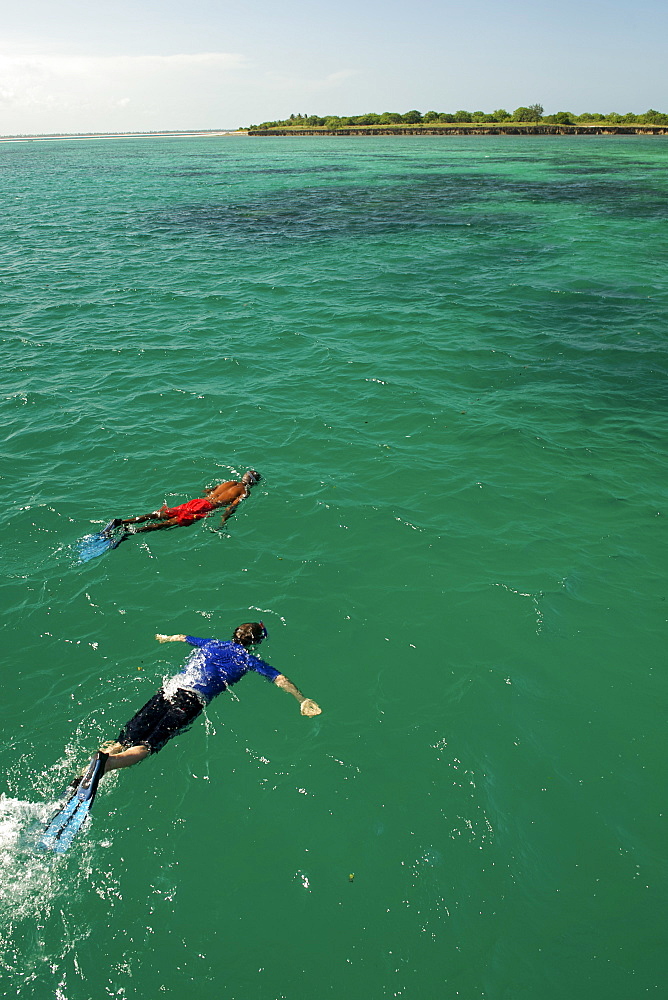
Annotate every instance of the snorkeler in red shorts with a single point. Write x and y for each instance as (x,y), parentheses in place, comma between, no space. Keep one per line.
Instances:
(228,495)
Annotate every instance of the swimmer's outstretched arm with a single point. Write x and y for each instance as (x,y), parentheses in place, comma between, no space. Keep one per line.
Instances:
(306,705)
(170,638)
(229,510)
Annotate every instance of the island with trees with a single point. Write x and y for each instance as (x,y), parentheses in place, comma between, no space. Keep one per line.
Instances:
(524,120)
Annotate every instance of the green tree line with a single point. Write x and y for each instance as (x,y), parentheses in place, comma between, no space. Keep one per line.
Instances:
(532,113)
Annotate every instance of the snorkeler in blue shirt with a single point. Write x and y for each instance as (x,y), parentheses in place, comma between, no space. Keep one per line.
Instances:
(211,668)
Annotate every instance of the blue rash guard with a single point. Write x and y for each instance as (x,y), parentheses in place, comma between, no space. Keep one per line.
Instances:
(214,666)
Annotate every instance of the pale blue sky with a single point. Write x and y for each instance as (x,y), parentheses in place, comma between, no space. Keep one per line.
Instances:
(77,65)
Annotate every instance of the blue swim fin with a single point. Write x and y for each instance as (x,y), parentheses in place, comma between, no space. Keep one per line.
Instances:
(91,546)
(69,819)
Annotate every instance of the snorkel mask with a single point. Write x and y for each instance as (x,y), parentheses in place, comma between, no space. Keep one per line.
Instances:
(250,633)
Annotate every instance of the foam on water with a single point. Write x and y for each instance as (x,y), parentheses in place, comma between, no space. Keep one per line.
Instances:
(31,891)
(26,876)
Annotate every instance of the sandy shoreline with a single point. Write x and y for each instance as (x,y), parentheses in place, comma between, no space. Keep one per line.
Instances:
(120,135)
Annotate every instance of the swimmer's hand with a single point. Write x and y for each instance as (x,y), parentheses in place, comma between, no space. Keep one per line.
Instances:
(306,705)
(170,638)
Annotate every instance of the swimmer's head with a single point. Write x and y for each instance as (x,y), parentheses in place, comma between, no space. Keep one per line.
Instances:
(251,477)
(250,634)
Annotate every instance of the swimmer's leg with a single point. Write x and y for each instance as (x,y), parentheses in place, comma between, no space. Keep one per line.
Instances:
(120,756)
(170,522)
(136,520)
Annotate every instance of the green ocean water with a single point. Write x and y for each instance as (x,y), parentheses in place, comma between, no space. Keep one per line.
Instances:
(447,358)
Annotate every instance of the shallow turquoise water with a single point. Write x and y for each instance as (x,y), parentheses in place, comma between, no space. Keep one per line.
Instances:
(447,358)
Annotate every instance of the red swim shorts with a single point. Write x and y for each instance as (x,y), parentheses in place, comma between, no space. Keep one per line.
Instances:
(186,513)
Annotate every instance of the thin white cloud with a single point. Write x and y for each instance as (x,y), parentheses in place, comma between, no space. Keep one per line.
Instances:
(79,64)
(312,85)
(65,91)
(340,76)
(67,81)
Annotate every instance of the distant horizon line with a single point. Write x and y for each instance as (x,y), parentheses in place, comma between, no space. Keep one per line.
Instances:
(51,136)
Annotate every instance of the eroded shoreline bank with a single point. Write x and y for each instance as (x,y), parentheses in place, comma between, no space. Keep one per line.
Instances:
(514,130)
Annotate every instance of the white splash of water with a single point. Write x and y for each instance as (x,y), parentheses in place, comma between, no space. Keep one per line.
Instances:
(28,880)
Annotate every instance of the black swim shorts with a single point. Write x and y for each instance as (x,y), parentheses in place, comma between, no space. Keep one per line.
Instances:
(160,719)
